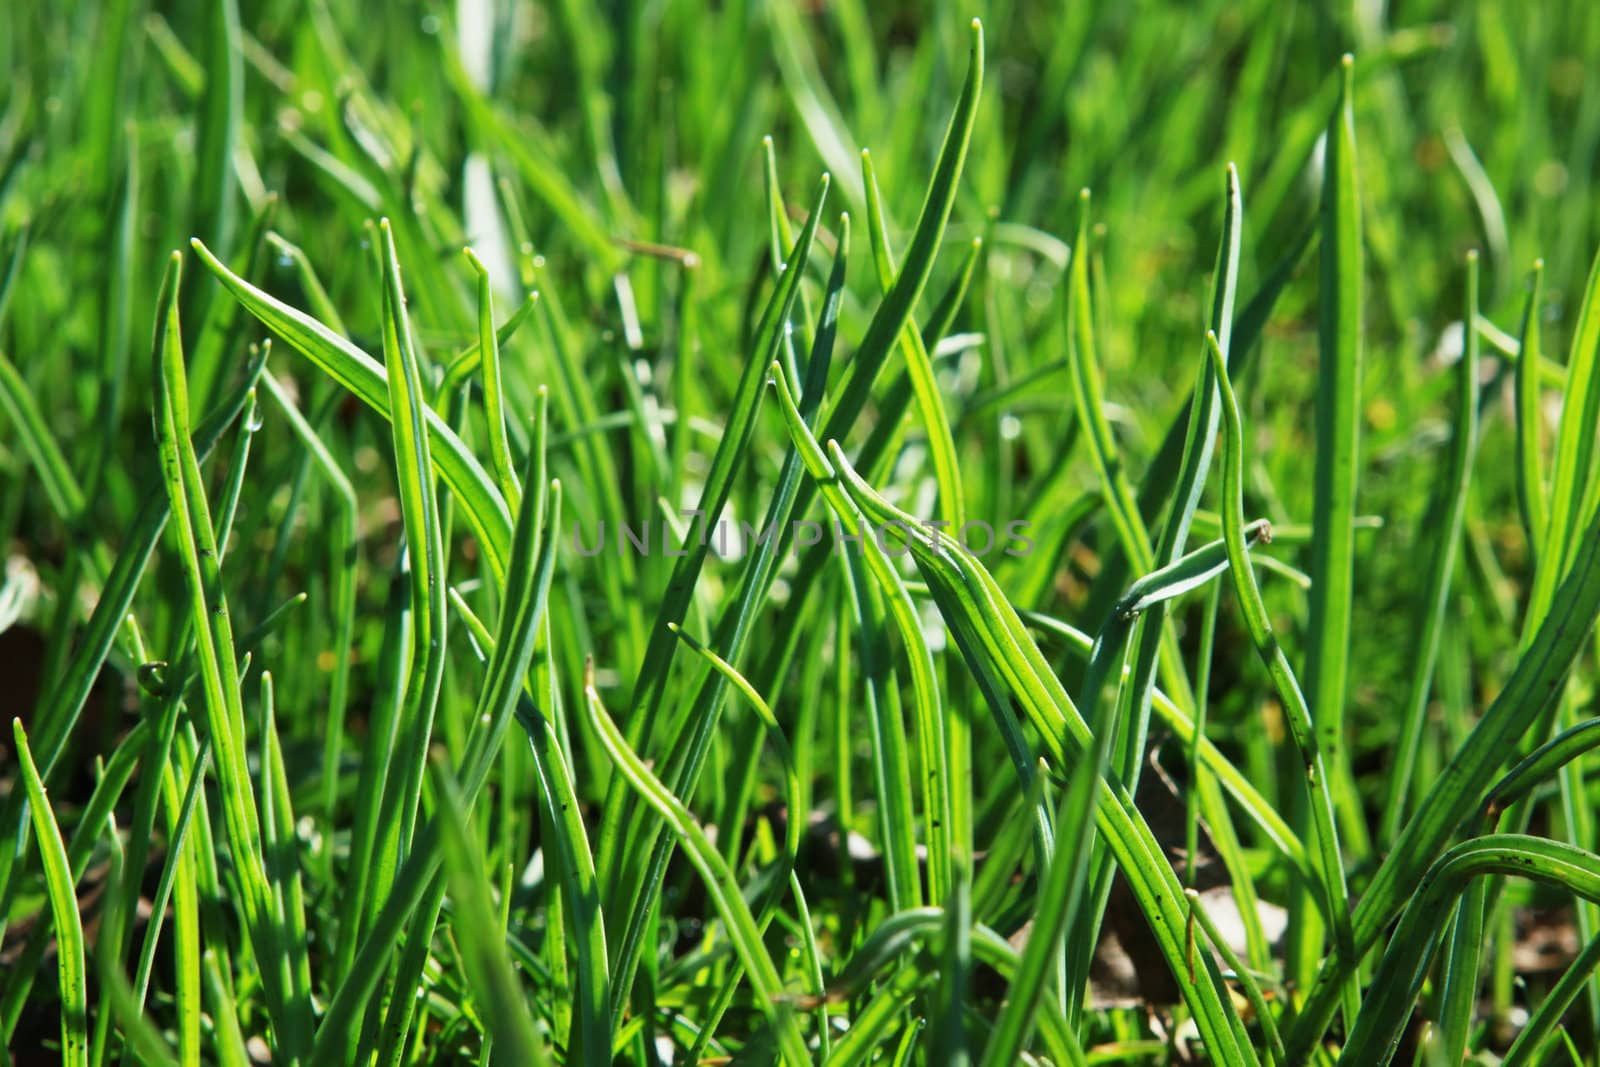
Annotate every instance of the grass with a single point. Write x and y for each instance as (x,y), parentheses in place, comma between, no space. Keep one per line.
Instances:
(659,635)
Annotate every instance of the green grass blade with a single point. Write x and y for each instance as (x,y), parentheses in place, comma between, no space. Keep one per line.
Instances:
(719,880)
(1531,692)
(63,909)
(1378,1029)
(972,603)
(919,365)
(484,507)
(1573,480)
(425,556)
(213,627)
(488,967)
(493,399)
(895,311)
(1339,334)
(1532,493)
(1334,898)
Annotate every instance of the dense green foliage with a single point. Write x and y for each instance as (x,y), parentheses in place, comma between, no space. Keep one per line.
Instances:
(396,667)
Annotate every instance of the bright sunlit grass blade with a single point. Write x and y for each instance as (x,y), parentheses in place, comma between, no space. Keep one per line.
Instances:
(213,629)
(1334,897)
(719,880)
(919,366)
(1338,471)
(1531,490)
(63,909)
(482,504)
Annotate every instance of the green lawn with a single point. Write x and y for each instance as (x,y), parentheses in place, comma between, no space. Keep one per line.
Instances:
(1072,537)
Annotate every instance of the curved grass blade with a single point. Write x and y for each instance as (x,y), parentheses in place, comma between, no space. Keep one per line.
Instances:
(213,631)
(919,366)
(1531,692)
(733,630)
(63,909)
(1377,1030)
(493,399)
(481,503)
(419,877)
(1334,896)
(895,311)
(426,558)
(947,842)
(719,880)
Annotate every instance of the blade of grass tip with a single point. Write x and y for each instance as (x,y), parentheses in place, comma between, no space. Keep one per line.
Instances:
(1530,422)
(1443,527)
(213,626)
(63,909)
(995,642)
(108,791)
(1087,390)
(719,880)
(425,554)
(467,363)
(869,359)
(493,400)
(782,238)
(493,979)
(481,502)
(1333,895)
(316,294)
(1161,475)
(1337,473)
(919,366)
(1572,479)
